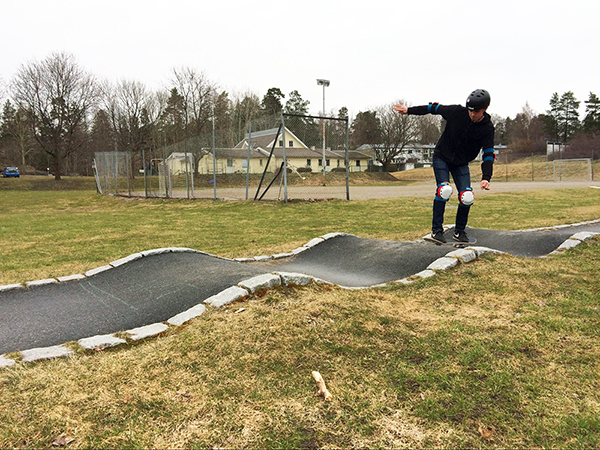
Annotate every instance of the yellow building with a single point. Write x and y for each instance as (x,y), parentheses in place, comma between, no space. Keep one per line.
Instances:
(232,160)
(299,155)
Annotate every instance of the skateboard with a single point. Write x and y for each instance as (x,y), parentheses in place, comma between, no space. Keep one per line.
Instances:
(451,242)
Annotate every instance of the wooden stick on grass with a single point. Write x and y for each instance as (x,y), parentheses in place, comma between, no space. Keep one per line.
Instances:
(323,391)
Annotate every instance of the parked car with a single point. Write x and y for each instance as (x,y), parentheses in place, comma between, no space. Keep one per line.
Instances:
(11,172)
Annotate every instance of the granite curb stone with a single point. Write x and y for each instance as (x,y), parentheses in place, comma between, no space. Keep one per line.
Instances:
(300,279)
(98,270)
(181,318)
(44,282)
(100,341)
(464,255)
(229,295)
(11,287)
(443,263)
(146,331)
(6,362)
(36,354)
(264,281)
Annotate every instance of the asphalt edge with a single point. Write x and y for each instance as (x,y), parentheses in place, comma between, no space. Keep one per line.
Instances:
(243,289)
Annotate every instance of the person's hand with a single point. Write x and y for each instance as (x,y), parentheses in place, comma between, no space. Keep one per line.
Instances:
(485,185)
(401,109)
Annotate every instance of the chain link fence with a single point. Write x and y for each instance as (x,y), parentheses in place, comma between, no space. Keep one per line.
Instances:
(553,166)
(303,158)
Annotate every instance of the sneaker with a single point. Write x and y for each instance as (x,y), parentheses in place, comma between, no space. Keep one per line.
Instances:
(460,236)
(438,235)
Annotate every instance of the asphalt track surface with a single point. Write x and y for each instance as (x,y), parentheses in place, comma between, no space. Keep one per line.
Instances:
(154,288)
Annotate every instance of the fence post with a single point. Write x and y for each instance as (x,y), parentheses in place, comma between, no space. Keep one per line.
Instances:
(248,163)
(128,172)
(285,193)
(214,151)
(347,161)
(532,179)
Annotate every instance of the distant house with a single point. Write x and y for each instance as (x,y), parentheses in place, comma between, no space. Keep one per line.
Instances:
(232,160)
(177,164)
(235,160)
(299,155)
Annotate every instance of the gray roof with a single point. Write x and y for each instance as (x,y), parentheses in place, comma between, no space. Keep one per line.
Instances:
(265,138)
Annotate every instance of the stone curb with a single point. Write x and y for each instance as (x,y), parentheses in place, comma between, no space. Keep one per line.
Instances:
(574,241)
(6,362)
(135,334)
(229,295)
(36,354)
(265,281)
(189,314)
(45,282)
(100,342)
(243,289)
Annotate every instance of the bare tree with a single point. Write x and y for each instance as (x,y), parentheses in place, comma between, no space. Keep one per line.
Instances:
(133,110)
(396,132)
(15,127)
(198,94)
(57,95)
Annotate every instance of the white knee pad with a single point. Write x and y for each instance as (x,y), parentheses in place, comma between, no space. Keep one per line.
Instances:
(443,192)
(466,197)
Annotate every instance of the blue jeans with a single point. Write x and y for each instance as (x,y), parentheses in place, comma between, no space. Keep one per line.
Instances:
(462,180)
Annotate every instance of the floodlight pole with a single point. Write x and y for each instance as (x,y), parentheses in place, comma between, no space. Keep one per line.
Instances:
(324,83)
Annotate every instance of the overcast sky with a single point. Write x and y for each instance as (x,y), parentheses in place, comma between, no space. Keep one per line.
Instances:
(373,51)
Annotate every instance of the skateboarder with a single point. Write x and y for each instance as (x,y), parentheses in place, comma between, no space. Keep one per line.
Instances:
(468,130)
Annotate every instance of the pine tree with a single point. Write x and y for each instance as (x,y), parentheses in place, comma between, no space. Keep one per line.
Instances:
(563,116)
(591,122)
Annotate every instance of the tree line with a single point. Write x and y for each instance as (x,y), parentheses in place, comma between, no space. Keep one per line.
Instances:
(57,115)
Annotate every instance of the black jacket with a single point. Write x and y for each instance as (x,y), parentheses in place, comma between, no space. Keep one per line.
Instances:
(462,139)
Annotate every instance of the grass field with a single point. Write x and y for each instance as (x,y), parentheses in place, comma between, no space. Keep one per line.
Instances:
(502,352)
(534,168)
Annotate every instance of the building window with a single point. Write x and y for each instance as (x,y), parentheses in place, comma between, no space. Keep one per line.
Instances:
(281,143)
(358,163)
(261,163)
(308,163)
(291,144)
(229,162)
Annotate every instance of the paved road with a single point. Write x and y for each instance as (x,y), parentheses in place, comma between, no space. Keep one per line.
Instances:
(155,288)
(425,188)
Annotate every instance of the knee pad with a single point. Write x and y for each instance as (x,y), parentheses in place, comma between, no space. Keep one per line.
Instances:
(443,192)
(466,196)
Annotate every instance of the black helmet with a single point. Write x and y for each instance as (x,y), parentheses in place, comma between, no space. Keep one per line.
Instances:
(479,99)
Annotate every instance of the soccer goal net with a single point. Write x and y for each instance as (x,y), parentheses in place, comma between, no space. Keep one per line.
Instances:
(579,169)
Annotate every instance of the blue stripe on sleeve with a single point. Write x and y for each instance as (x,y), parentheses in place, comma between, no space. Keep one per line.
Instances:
(489,155)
